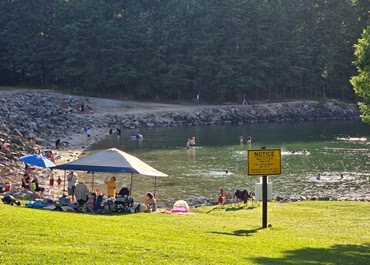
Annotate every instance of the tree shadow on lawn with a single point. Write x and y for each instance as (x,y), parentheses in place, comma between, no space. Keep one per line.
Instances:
(239,208)
(239,232)
(228,209)
(337,255)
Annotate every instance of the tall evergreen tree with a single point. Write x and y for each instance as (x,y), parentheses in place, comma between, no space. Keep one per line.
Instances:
(361,82)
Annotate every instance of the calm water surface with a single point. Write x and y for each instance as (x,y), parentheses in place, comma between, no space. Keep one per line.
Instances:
(196,175)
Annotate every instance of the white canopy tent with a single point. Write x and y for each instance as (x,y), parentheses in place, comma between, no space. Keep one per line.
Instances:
(112,160)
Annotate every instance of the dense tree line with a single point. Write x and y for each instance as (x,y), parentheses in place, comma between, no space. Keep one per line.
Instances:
(361,82)
(268,49)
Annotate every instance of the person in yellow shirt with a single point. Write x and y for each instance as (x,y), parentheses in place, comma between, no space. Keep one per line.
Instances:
(111,186)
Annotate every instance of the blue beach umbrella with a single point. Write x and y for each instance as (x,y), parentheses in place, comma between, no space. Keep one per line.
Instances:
(37,160)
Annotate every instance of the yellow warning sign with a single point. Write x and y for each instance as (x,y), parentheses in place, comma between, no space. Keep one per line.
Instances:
(264,162)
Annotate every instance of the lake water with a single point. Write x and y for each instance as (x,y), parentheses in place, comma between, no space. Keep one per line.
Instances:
(197,175)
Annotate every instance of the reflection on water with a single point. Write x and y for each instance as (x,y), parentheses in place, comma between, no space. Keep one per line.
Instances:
(197,174)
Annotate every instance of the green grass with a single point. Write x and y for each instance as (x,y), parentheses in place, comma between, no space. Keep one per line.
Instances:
(301,233)
(6,88)
(12,88)
(61,90)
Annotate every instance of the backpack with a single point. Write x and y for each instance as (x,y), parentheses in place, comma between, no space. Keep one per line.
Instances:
(124,192)
(9,199)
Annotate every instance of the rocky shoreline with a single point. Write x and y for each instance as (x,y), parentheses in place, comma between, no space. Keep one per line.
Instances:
(43,116)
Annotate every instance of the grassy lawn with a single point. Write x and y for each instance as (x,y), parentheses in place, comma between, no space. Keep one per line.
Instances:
(301,233)
(61,90)
(9,88)
(5,88)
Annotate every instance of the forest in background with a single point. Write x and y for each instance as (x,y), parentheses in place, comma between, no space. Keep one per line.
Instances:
(176,49)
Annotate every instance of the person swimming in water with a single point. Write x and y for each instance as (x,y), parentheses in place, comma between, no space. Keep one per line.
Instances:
(241,140)
(192,142)
(188,144)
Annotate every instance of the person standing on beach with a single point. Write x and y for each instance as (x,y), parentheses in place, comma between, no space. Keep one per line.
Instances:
(59,181)
(245,100)
(72,179)
(110,130)
(88,132)
(118,131)
(31,136)
(51,156)
(111,186)
(57,144)
(51,182)
(4,148)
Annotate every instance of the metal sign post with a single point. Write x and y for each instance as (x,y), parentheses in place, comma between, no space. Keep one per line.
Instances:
(264,201)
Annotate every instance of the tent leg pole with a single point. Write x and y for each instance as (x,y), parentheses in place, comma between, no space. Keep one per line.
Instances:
(64,186)
(155,184)
(131,184)
(92,183)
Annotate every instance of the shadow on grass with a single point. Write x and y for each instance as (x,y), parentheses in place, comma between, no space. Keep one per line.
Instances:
(337,255)
(239,232)
(214,209)
(229,208)
(239,208)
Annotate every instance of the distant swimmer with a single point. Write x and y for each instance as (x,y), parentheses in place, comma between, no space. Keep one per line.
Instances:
(241,140)
(341,176)
(192,142)
(318,177)
(249,140)
(293,151)
(348,138)
(304,151)
(139,136)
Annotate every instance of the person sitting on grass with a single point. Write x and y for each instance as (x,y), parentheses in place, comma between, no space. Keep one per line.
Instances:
(26,180)
(151,203)
(36,187)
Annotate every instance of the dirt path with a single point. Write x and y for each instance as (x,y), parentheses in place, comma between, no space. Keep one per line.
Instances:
(110,106)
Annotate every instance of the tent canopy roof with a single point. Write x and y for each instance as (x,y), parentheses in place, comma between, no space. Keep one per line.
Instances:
(111,160)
